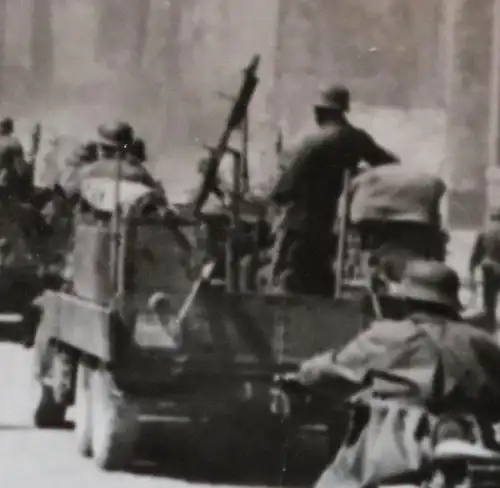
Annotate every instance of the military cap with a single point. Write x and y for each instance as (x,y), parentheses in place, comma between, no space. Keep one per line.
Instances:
(6,124)
(337,97)
(431,282)
(115,133)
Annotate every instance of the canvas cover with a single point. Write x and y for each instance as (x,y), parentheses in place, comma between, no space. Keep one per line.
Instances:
(396,193)
(103,194)
(91,268)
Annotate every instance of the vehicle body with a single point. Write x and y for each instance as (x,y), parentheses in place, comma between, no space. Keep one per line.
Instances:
(109,347)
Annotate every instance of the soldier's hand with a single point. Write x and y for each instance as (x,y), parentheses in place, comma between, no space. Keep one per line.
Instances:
(313,369)
(363,166)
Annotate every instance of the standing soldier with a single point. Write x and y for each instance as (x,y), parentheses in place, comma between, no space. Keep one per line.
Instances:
(309,190)
(115,141)
(11,159)
(486,256)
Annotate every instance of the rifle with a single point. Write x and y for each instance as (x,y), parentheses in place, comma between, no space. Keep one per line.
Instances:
(235,120)
(36,137)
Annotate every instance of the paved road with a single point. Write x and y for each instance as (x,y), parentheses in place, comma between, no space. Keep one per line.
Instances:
(43,458)
(30,457)
(48,458)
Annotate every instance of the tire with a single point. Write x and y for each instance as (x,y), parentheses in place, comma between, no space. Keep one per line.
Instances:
(48,413)
(83,411)
(115,424)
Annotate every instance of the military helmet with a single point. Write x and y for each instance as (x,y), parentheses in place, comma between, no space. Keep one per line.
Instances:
(337,97)
(115,134)
(431,282)
(6,125)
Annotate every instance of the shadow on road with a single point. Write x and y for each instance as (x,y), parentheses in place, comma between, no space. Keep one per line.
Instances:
(239,460)
(4,427)
(11,334)
(68,426)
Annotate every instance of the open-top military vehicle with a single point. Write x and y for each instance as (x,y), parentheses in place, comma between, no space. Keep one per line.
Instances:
(143,327)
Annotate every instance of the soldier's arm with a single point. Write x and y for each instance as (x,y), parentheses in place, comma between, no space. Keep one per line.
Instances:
(375,154)
(363,353)
(477,254)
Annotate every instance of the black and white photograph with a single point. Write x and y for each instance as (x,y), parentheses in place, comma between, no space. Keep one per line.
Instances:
(249,243)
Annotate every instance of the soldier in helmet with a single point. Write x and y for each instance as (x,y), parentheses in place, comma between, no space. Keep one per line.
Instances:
(309,189)
(115,138)
(486,257)
(114,143)
(453,366)
(12,160)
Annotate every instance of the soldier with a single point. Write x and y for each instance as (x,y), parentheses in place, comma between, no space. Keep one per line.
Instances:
(114,142)
(309,189)
(12,163)
(453,365)
(138,151)
(486,256)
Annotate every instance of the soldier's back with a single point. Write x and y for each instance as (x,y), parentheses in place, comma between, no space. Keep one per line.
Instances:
(491,240)
(313,168)
(11,149)
(11,159)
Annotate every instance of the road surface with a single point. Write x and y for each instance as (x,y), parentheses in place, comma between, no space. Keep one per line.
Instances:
(48,459)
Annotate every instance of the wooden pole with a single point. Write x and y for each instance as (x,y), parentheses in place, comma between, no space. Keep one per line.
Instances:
(232,255)
(244,176)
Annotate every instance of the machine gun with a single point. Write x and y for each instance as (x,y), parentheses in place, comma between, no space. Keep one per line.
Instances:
(36,137)
(237,118)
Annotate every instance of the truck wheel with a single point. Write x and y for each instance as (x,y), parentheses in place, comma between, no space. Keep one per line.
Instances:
(115,424)
(48,412)
(83,411)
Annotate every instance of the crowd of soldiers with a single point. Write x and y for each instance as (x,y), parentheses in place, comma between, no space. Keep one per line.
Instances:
(307,196)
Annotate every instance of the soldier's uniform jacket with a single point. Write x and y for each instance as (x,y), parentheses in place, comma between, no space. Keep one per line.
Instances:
(486,250)
(311,183)
(455,367)
(404,346)
(11,159)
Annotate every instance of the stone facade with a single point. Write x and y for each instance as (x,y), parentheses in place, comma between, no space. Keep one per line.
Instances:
(419,72)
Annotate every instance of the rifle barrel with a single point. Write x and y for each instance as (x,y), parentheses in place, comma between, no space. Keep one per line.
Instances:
(235,119)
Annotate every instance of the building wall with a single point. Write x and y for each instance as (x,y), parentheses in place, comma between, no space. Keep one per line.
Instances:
(161,63)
